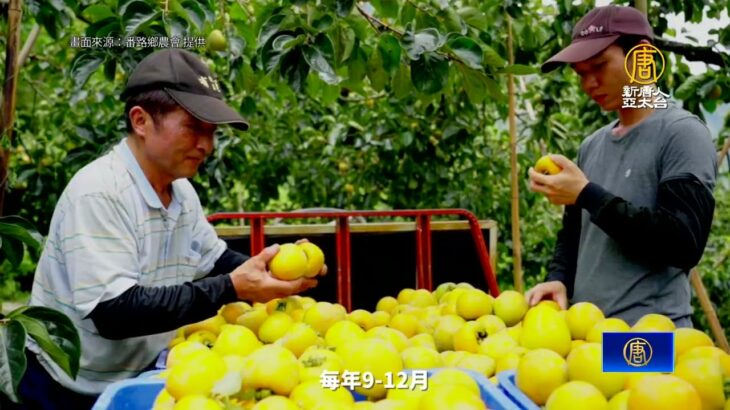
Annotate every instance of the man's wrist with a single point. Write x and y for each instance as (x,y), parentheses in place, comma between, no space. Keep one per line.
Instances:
(238,286)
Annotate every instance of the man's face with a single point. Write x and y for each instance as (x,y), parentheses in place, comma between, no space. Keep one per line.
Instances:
(603,77)
(178,143)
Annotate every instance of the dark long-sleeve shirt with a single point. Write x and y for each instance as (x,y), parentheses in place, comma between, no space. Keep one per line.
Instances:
(643,221)
(145,310)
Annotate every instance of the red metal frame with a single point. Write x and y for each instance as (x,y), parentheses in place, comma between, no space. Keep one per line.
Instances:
(424,277)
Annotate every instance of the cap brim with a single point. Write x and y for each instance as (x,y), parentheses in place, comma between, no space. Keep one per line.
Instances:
(208,109)
(578,51)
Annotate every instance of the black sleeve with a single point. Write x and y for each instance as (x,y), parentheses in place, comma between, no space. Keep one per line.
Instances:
(674,234)
(565,256)
(142,310)
(227,262)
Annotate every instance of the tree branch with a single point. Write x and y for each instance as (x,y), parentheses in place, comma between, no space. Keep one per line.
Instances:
(374,20)
(29,42)
(690,52)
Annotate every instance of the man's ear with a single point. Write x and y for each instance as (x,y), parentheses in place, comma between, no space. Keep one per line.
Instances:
(141,120)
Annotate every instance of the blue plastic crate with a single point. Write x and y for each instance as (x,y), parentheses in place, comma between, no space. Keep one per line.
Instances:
(491,395)
(131,394)
(509,387)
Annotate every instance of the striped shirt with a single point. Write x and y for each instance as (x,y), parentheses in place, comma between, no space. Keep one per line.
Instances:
(109,232)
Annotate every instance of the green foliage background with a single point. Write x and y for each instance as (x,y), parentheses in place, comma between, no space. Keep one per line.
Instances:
(380,105)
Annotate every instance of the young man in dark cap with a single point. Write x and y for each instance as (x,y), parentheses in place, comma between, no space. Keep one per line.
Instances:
(130,256)
(638,203)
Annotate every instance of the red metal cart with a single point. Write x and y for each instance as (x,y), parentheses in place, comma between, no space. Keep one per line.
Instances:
(424,274)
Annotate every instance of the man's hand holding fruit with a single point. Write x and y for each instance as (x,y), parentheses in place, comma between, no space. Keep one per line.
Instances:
(558,178)
(279,271)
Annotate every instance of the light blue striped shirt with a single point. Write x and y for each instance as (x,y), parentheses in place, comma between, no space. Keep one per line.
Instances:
(109,232)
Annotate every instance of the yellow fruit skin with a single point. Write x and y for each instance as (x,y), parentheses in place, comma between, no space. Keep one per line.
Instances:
(468,337)
(386,304)
(510,306)
(289,263)
(653,322)
(581,317)
(705,374)
(276,403)
(450,397)
(543,327)
(197,402)
(372,355)
(595,334)
(182,351)
(498,345)
(315,259)
(687,338)
(212,324)
(274,327)
(663,392)
(539,373)
(203,336)
(272,367)
(620,401)
(419,357)
(236,340)
(585,364)
(196,375)
(576,395)
(474,303)
(546,165)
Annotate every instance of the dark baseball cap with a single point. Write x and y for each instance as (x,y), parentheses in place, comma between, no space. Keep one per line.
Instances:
(597,30)
(188,80)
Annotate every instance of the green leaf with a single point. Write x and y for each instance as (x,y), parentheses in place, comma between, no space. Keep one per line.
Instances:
(343,41)
(294,69)
(12,357)
(106,27)
(278,46)
(270,27)
(407,13)
(83,66)
(492,58)
(344,7)
(318,56)
(386,8)
(473,17)
(389,49)
(426,40)
(55,333)
(110,69)
(22,229)
(467,50)
(401,83)
(518,69)
(475,84)
(97,12)
(452,21)
(377,75)
(12,250)
(357,66)
(689,87)
(137,16)
(194,13)
(430,73)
